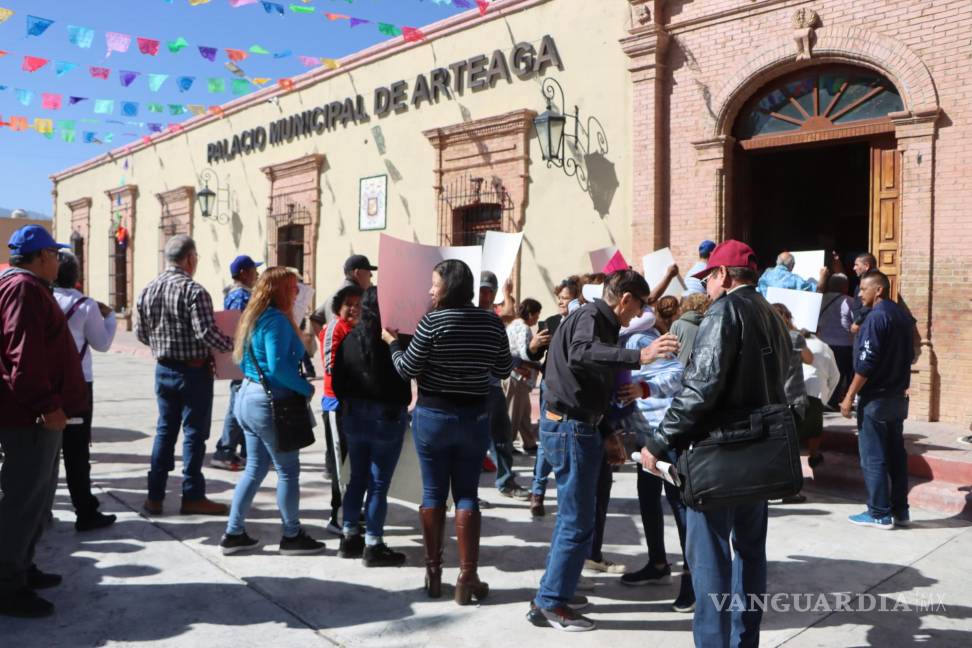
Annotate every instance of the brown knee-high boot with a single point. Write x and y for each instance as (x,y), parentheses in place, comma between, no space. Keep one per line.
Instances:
(433,528)
(468,525)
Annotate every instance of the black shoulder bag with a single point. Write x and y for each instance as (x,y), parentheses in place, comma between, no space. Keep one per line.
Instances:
(750,457)
(291,415)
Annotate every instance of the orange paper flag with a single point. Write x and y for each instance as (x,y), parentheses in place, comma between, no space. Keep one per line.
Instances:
(235,54)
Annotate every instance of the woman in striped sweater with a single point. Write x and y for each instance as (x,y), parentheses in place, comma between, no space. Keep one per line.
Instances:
(455,350)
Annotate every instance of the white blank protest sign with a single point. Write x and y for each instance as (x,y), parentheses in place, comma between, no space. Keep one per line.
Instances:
(226,367)
(499,255)
(406,276)
(592,292)
(807,264)
(601,257)
(305,297)
(656,267)
(805,306)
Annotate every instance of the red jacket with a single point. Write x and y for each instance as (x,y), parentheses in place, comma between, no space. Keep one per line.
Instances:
(40,369)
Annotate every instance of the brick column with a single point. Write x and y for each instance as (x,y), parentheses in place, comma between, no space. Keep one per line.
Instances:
(123,200)
(915,133)
(647,47)
(81,223)
(714,173)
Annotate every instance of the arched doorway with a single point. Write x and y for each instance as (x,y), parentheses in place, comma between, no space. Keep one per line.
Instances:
(816,166)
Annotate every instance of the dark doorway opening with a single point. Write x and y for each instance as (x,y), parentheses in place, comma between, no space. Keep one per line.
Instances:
(290,247)
(473,221)
(804,198)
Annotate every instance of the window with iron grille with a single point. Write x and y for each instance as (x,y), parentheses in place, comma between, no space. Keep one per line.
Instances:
(469,207)
(287,240)
(118,275)
(77,247)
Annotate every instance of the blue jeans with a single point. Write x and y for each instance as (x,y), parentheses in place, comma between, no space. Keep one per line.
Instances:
(721,577)
(880,442)
(541,467)
(185,399)
(451,445)
(375,433)
(232,437)
(575,450)
(501,435)
(253,412)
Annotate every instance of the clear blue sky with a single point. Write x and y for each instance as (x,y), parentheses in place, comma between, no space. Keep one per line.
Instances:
(27,158)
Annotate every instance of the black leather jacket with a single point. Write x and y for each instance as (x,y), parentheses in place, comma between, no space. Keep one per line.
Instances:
(740,360)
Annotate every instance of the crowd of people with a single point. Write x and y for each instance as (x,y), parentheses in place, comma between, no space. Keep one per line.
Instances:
(628,371)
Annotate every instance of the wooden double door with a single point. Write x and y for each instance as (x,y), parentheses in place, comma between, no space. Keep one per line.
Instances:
(843,196)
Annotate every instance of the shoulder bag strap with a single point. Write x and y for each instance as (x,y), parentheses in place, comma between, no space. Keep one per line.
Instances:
(70,313)
(830,303)
(263,378)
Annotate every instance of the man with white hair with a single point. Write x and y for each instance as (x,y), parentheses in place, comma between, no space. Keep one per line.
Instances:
(782,276)
(175,318)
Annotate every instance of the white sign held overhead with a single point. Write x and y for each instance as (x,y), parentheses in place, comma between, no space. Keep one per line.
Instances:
(601,257)
(406,276)
(803,305)
(305,297)
(499,255)
(656,267)
(807,264)
(592,292)
(226,367)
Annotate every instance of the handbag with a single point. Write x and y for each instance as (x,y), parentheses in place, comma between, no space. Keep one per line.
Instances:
(291,416)
(748,457)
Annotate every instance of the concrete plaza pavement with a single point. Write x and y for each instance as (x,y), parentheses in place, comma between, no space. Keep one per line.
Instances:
(163,582)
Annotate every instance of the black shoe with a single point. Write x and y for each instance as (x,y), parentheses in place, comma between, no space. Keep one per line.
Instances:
(559,618)
(351,547)
(686,595)
(380,555)
(236,543)
(36,579)
(815,460)
(92,521)
(648,575)
(25,604)
(300,545)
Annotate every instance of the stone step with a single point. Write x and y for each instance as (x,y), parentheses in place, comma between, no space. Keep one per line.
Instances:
(840,475)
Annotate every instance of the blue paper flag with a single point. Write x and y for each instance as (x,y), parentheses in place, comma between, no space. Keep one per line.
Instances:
(63,67)
(25,96)
(37,26)
(76,100)
(185,83)
(283,54)
(129,108)
(80,36)
(88,137)
(271,7)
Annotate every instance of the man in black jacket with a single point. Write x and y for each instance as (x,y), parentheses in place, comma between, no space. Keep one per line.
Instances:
(741,356)
(579,384)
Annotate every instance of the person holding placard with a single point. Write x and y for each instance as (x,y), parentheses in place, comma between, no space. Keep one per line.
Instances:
(781,276)
(457,350)
(524,377)
(175,319)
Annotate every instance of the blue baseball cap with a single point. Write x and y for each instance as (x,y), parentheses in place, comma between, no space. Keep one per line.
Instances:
(241,263)
(706,247)
(32,238)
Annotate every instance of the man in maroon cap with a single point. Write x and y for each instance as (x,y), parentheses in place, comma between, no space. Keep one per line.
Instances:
(740,359)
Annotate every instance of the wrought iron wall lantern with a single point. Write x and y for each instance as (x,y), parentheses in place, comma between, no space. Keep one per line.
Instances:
(213,205)
(551,128)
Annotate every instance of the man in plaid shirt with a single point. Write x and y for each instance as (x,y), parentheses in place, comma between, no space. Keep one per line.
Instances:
(175,319)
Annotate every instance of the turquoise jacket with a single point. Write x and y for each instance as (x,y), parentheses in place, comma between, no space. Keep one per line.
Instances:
(278,351)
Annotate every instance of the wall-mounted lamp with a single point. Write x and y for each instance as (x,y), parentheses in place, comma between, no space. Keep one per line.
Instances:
(212,204)
(551,128)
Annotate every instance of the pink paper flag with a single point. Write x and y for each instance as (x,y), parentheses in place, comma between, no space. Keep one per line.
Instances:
(310,61)
(148,46)
(241,3)
(616,263)
(117,42)
(33,63)
(50,101)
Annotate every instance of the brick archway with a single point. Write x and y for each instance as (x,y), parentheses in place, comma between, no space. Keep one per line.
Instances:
(849,45)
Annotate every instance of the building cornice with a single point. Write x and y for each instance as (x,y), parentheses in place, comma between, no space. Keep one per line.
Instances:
(80,203)
(124,190)
(312,163)
(498,10)
(510,123)
(177,194)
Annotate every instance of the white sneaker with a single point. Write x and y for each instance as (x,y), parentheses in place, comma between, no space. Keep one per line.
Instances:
(603,567)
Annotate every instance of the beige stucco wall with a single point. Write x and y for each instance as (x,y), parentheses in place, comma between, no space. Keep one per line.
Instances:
(9,225)
(561,221)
